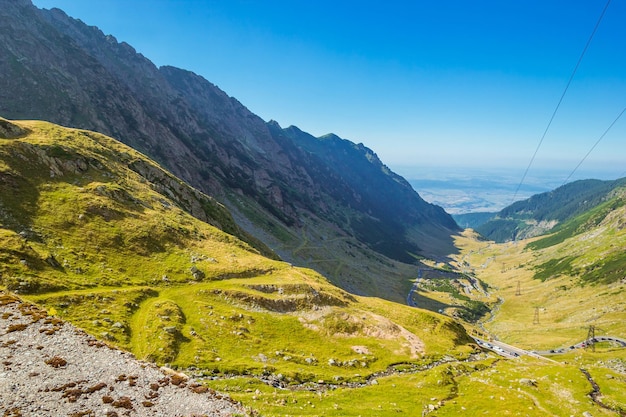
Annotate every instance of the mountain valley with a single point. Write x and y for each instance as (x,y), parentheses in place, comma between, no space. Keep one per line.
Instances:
(111,248)
(269,271)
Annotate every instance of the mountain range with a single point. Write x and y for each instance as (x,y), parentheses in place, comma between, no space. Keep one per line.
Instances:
(324,202)
(546,212)
(100,235)
(169,221)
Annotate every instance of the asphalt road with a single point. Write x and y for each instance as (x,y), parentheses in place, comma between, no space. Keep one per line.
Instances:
(514,352)
(509,351)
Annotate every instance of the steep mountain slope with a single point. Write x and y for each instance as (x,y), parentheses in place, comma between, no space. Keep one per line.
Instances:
(97,233)
(298,195)
(590,245)
(540,213)
(351,174)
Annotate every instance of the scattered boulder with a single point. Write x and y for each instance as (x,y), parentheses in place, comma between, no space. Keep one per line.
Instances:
(528,382)
(170,329)
(197,274)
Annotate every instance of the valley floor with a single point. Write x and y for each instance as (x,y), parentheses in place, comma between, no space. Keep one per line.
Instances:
(552,317)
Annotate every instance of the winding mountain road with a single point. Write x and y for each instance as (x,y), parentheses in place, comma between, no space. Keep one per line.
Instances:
(584,344)
(510,351)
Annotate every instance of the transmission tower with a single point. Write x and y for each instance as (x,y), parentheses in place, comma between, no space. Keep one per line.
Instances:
(536,317)
(519,289)
(591,335)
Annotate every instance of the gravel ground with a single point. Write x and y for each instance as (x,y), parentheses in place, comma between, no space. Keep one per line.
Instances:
(50,368)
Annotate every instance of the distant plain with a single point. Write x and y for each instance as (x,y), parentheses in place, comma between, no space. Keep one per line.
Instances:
(461,190)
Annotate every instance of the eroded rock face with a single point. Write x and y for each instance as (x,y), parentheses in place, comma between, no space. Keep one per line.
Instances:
(9,130)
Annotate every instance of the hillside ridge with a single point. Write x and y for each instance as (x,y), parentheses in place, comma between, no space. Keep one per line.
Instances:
(542,213)
(295,199)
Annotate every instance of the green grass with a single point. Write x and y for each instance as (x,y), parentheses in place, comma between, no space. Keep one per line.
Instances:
(554,267)
(579,224)
(211,326)
(524,387)
(608,270)
(407,393)
(96,233)
(97,242)
(612,385)
(106,248)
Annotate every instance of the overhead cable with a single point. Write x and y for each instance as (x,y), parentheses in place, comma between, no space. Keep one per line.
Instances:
(532,159)
(594,145)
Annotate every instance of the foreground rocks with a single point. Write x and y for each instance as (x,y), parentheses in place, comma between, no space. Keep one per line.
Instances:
(50,368)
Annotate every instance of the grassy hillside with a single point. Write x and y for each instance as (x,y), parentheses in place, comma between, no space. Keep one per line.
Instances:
(552,289)
(545,294)
(556,312)
(540,213)
(102,237)
(97,234)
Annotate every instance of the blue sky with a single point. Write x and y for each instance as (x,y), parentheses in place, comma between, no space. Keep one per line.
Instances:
(422,83)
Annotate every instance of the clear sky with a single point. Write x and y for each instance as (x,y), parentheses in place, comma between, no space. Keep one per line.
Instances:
(422,83)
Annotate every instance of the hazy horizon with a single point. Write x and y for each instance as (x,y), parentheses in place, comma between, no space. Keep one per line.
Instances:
(462,190)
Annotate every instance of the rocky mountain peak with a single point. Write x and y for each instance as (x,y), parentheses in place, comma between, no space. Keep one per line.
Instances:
(18,3)
(282,185)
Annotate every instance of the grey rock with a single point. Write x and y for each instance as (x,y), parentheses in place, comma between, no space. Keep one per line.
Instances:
(528,382)
(9,130)
(87,366)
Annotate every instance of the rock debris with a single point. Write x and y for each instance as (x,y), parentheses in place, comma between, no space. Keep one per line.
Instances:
(51,368)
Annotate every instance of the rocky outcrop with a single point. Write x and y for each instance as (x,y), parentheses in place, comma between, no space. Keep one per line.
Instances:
(9,130)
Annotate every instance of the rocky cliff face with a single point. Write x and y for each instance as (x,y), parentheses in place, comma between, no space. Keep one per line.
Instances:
(295,192)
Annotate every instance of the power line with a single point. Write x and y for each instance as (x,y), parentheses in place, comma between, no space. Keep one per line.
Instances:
(532,159)
(594,145)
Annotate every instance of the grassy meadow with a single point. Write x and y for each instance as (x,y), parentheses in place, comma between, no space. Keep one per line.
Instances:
(540,314)
(100,236)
